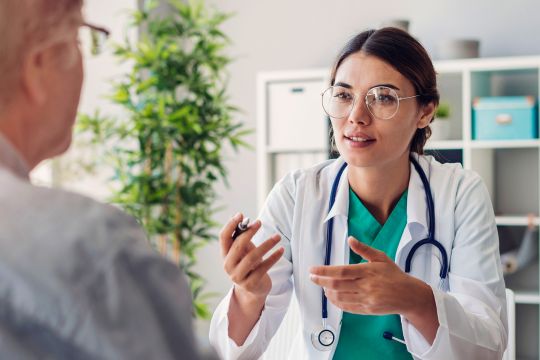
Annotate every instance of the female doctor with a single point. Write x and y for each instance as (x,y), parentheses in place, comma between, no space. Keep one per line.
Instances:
(391,254)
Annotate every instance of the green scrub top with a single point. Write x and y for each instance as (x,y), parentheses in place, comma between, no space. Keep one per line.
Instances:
(361,335)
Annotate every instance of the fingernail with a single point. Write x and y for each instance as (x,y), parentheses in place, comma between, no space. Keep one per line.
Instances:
(238,216)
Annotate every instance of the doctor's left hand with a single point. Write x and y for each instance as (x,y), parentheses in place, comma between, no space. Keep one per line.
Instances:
(376,287)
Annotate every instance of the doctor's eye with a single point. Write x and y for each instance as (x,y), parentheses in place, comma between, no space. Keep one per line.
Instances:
(342,95)
(382,96)
(385,99)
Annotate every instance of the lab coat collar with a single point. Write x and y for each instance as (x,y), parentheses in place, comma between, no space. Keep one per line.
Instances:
(341,205)
(417,212)
(416,204)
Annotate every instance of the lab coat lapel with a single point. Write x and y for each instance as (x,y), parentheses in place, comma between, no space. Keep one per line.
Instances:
(340,249)
(417,213)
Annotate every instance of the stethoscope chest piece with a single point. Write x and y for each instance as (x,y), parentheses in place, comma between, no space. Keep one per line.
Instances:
(323,338)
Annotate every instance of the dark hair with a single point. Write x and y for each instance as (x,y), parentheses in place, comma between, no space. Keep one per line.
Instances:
(399,49)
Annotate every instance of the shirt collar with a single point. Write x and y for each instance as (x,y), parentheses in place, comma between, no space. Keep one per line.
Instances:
(416,204)
(12,160)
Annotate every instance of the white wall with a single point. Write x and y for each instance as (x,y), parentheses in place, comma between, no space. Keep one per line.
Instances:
(294,34)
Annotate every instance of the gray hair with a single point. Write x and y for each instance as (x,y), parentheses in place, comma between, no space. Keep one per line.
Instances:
(26,25)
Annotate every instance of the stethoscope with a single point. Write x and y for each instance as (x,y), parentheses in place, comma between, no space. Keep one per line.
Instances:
(325,336)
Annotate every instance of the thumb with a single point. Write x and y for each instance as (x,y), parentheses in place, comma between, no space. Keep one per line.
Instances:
(367,252)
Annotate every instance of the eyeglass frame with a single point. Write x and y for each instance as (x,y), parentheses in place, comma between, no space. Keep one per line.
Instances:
(365,101)
(101,30)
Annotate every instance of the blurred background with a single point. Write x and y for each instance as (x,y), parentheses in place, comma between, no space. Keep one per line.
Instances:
(279,44)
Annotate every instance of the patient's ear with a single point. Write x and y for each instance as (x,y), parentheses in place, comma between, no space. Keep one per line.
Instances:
(33,76)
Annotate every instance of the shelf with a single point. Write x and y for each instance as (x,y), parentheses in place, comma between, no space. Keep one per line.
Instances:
(527,297)
(504,144)
(515,220)
(487,64)
(444,145)
(279,150)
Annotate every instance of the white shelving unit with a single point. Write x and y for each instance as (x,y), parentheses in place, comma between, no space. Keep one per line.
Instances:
(293,133)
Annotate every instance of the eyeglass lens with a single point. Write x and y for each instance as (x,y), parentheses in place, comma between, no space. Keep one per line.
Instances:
(381,101)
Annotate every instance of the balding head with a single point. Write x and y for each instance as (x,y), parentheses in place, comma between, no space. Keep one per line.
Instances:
(42,73)
(27,25)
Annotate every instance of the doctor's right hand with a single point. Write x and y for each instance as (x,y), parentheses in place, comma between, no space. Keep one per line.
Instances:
(245,263)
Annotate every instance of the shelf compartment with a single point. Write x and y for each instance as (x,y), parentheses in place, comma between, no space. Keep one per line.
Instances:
(450,89)
(505,144)
(513,185)
(515,82)
(525,281)
(527,331)
(296,119)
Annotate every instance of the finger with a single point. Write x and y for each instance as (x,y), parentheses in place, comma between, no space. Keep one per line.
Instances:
(356,271)
(255,257)
(354,308)
(225,235)
(336,284)
(367,252)
(344,297)
(242,245)
(235,255)
(266,265)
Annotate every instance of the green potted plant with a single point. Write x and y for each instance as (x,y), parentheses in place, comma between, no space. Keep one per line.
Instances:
(440,127)
(167,151)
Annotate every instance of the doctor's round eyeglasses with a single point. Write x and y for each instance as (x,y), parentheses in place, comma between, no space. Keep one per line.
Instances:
(381,101)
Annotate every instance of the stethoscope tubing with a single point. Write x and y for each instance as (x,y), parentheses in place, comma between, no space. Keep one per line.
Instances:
(408,262)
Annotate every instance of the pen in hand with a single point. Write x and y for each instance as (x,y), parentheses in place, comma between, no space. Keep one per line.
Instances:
(240,228)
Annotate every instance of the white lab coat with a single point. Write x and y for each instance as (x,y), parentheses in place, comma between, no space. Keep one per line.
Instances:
(472,313)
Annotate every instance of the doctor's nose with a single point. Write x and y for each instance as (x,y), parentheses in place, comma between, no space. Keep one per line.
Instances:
(359,113)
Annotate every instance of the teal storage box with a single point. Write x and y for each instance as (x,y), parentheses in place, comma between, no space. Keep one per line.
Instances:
(505,118)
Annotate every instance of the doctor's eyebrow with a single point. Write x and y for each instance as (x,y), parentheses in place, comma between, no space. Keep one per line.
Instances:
(342,84)
(348,86)
(391,86)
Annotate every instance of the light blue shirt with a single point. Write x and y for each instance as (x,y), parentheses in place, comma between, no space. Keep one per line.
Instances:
(78,279)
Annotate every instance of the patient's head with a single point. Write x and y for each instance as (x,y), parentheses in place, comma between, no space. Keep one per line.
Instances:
(41,72)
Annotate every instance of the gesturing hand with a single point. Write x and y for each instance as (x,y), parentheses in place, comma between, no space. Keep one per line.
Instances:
(376,287)
(244,262)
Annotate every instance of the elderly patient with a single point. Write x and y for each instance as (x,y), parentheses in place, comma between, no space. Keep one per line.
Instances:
(77,278)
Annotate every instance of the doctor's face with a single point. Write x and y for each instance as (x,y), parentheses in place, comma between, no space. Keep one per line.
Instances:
(363,139)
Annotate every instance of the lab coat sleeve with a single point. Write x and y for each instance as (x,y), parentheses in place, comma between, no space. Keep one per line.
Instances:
(276,218)
(472,314)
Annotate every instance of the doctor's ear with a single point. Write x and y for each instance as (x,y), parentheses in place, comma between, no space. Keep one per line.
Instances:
(427,112)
